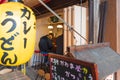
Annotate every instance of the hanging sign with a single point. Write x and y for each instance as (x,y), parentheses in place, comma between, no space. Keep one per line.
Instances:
(3,1)
(64,68)
(17,33)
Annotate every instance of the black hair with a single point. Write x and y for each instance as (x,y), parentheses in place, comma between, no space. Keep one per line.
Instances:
(51,34)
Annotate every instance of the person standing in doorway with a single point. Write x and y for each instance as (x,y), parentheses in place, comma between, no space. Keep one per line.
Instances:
(59,45)
(45,46)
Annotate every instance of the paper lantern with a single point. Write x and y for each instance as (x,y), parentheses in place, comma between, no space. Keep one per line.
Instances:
(17,33)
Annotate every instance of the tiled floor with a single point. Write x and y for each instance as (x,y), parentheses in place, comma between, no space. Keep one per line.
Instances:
(31,72)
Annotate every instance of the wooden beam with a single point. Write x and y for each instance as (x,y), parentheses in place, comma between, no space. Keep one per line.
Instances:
(55,4)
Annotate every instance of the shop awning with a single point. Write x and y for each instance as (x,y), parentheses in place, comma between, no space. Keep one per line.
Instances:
(107,60)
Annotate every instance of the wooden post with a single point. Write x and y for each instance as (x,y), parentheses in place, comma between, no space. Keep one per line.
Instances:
(112,32)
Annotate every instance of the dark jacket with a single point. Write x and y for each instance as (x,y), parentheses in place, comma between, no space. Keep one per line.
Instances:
(45,44)
(59,44)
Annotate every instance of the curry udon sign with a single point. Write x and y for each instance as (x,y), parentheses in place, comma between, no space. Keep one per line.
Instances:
(17,33)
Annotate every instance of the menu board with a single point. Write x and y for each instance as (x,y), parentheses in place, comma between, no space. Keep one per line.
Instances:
(65,68)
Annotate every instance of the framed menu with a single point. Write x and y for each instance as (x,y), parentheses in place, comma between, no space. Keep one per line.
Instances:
(65,68)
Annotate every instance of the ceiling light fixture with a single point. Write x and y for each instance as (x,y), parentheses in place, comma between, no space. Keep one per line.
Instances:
(59,26)
(50,27)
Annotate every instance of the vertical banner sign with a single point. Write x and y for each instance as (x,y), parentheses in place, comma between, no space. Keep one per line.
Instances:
(64,68)
(17,33)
